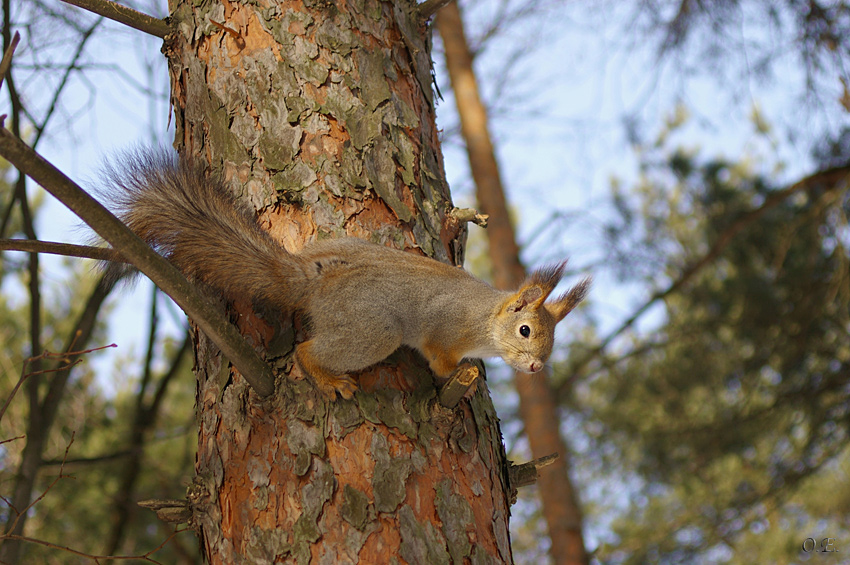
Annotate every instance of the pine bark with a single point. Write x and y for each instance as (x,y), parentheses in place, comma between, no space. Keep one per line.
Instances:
(538,410)
(321,115)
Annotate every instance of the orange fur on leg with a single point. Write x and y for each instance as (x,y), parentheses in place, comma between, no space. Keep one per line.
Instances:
(328,383)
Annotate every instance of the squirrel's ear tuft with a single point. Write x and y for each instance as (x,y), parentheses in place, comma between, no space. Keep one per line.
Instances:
(547,277)
(537,288)
(569,300)
(525,297)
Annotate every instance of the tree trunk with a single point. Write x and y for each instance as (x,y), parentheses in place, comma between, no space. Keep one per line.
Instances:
(537,405)
(321,116)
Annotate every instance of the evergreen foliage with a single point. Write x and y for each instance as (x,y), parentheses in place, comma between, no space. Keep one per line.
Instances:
(734,412)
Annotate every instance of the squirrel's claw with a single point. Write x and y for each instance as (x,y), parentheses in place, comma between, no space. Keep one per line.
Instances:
(346,387)
(342,384)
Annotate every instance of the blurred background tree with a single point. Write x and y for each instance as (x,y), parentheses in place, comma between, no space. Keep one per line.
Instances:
(732,414)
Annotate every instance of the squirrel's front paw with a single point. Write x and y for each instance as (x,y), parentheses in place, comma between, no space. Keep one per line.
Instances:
(346,387)
(342,384)
(328,383)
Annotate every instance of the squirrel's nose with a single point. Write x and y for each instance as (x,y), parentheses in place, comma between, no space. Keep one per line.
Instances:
(535,366)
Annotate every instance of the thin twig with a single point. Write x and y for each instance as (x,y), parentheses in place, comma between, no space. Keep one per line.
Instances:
(66,249)
(73,65)
(98,558)
(68,354)
(430,7)
(7,57)
(17,387)
(59,476)
(162,386)
(147,371)
(88,460)
(46,355)
(124,15)
(38,430)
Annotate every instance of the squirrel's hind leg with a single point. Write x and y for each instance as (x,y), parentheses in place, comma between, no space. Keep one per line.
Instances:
(327,382)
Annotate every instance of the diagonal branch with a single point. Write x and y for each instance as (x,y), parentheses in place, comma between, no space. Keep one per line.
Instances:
(6,63)
(70,68)
(124,15)
(143,421)
(208,317)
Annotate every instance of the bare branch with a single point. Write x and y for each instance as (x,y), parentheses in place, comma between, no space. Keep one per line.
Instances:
(97,558)
(124,15)
(536,401)
(66,357)
(66,249)
(15,389)
(59,476)
(147,372)
(72,65)
(7,57)
(106,458)
(208,317)
(143,421)
(162,386)
(430,7)
(469,215)
(460,381)
(169,511)
(526,474)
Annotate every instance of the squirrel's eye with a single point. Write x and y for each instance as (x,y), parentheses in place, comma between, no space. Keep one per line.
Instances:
(524,331)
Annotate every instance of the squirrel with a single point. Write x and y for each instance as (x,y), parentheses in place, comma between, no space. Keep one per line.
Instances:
(362,300)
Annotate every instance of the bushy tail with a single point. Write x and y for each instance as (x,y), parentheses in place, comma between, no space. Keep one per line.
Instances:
(192,218)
